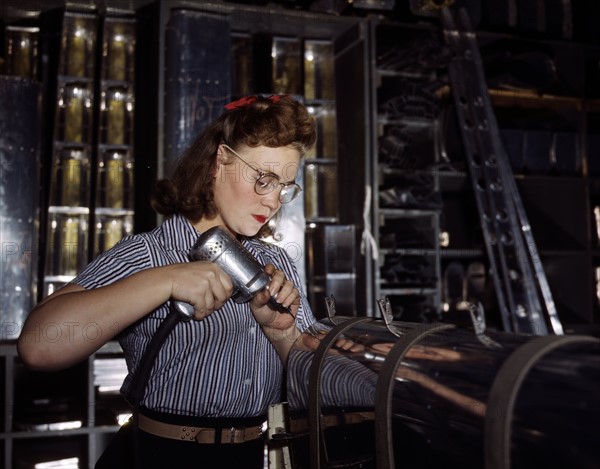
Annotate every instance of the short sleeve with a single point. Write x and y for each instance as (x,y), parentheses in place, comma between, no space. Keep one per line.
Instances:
(128,256)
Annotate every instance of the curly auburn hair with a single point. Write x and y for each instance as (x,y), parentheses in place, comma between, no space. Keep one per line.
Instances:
(275,121)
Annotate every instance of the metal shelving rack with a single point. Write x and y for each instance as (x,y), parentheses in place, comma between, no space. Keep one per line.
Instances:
(72,37)
(90,189)
(389,83)
(86,59)
(88,438)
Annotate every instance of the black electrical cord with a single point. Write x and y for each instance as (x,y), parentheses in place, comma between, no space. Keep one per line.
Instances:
(142,375)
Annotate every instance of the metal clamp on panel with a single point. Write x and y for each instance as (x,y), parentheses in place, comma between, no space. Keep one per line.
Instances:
(314,386)
(504,390)
(385,388)
(478,320)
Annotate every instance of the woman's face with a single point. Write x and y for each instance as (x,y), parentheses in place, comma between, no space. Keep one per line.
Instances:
(240,208)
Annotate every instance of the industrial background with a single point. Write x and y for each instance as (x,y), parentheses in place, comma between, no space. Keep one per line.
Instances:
(453,197)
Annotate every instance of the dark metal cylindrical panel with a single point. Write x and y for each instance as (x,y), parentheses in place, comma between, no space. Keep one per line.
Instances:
(441,391)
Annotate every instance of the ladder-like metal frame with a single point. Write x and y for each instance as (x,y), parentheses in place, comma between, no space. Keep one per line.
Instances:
(516,268)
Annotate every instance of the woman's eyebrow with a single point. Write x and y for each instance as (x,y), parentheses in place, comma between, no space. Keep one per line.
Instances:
(271,173)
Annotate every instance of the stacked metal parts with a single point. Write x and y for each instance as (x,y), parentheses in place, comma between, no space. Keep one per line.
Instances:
(109,371)
(114,165)
(70,196)
(409,204)
(363,393)
(85,64)
(320,200)
(91,183)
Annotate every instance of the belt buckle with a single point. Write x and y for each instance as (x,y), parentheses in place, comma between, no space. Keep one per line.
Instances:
(233,433)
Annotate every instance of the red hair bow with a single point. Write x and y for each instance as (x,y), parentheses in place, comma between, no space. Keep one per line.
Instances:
(247,100)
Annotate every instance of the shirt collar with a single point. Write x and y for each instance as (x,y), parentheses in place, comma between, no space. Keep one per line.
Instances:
(179,233)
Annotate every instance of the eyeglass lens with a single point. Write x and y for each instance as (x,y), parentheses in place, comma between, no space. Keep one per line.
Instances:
(268,183)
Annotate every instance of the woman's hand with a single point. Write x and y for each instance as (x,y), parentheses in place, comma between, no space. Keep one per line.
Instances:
(284,292)
(280,328)
(204,285)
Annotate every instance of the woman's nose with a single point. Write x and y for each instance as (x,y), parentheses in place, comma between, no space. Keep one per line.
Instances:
(271,199)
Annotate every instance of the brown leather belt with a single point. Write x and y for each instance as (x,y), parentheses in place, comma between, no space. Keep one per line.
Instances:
(202,435)
(332,420)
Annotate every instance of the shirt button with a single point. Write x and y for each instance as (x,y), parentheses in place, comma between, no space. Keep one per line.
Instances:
(247,382)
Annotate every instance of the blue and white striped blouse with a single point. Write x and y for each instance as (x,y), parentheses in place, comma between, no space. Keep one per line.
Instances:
(222,366)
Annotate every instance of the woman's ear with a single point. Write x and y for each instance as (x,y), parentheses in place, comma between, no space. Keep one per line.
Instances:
(218,161)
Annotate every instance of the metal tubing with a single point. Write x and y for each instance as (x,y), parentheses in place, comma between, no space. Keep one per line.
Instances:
(443,386)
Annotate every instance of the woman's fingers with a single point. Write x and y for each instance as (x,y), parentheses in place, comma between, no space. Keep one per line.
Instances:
(202,284)
(282,290)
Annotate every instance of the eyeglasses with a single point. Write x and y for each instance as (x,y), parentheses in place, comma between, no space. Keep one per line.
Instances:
(268,182)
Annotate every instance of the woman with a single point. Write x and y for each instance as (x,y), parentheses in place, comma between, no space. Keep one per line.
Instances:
(215,376)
